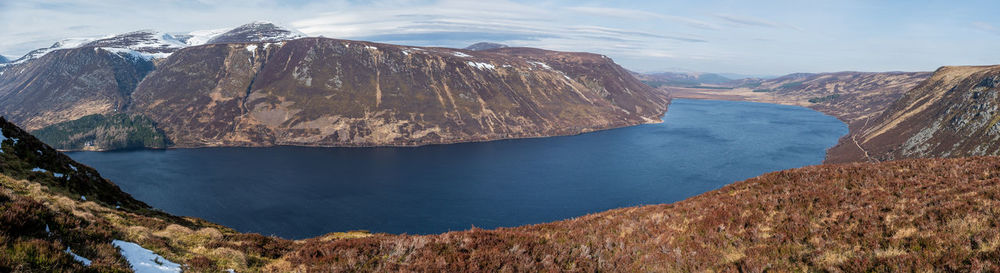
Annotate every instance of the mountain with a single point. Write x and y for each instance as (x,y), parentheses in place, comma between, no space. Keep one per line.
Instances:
(4,60)
(327,92)
(681,79)
(314,91)
(484,46)
(911,215)
(69,84)
(951,114)
(256,32)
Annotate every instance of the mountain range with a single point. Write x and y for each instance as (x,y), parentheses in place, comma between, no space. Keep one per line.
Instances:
(262,85)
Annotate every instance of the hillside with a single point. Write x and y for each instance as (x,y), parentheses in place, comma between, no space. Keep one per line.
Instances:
(251,86)
(952,114)
(914,215)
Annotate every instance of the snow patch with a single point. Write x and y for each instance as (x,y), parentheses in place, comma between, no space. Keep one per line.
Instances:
(39,170)
(143,260)
(481,66)
(72,167)
(200,37)
(136,54)
(541,64)
(78,258)
(461,55)
(252,49)
(84,198)
(371,47)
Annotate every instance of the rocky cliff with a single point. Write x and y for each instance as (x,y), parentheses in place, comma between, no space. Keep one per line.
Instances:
(953,113)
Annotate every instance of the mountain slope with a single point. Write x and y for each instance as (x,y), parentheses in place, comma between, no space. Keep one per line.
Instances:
(318,91)
(69,84)
(954,113)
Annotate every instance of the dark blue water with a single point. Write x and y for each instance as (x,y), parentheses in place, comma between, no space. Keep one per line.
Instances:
(297,192)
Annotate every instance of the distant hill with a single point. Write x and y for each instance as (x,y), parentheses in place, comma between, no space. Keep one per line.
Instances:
(681,79)
(484,46)
(4,60)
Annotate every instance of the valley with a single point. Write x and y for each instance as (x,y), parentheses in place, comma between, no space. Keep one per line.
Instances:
(498,136)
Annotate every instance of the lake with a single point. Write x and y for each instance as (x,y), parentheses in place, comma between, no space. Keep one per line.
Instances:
(298,192)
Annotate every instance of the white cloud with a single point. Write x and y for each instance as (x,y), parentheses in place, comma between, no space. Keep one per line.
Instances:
(753,21)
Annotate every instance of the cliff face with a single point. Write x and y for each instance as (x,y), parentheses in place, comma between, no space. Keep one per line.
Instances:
(69,84)
(954,113)
(317,91)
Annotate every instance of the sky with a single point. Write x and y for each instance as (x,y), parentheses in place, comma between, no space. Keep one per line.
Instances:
(744,37)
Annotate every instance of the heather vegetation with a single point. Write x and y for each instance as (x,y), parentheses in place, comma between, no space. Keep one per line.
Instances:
(104,132)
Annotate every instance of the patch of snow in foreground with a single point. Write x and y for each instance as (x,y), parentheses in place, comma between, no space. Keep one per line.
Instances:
(39,170)
(78,258)
(144,260)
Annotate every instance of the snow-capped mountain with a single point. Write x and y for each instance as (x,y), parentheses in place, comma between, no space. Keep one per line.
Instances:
(146,41)
(3,60)
(256,32)
(64,44)
(151,44)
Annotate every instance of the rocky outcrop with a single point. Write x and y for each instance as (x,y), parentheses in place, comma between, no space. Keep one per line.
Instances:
(327,92)
(954,113)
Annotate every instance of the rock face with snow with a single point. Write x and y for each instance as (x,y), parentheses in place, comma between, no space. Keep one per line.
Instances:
(145,41)
(250,86)
(256,32)
(484,46)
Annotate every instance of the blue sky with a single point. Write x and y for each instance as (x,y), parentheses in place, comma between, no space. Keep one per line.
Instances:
(746,37)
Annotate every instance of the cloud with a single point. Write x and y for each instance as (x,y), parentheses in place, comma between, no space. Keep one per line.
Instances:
(752,21)
(639,14)
(987,27)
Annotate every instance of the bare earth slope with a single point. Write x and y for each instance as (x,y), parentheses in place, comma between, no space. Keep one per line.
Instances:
(952,114)
(326,92)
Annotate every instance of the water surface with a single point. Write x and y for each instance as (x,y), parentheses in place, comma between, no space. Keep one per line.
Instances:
(298,192)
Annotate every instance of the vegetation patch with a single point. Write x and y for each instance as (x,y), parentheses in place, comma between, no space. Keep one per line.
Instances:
(104,132)
(824,99)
